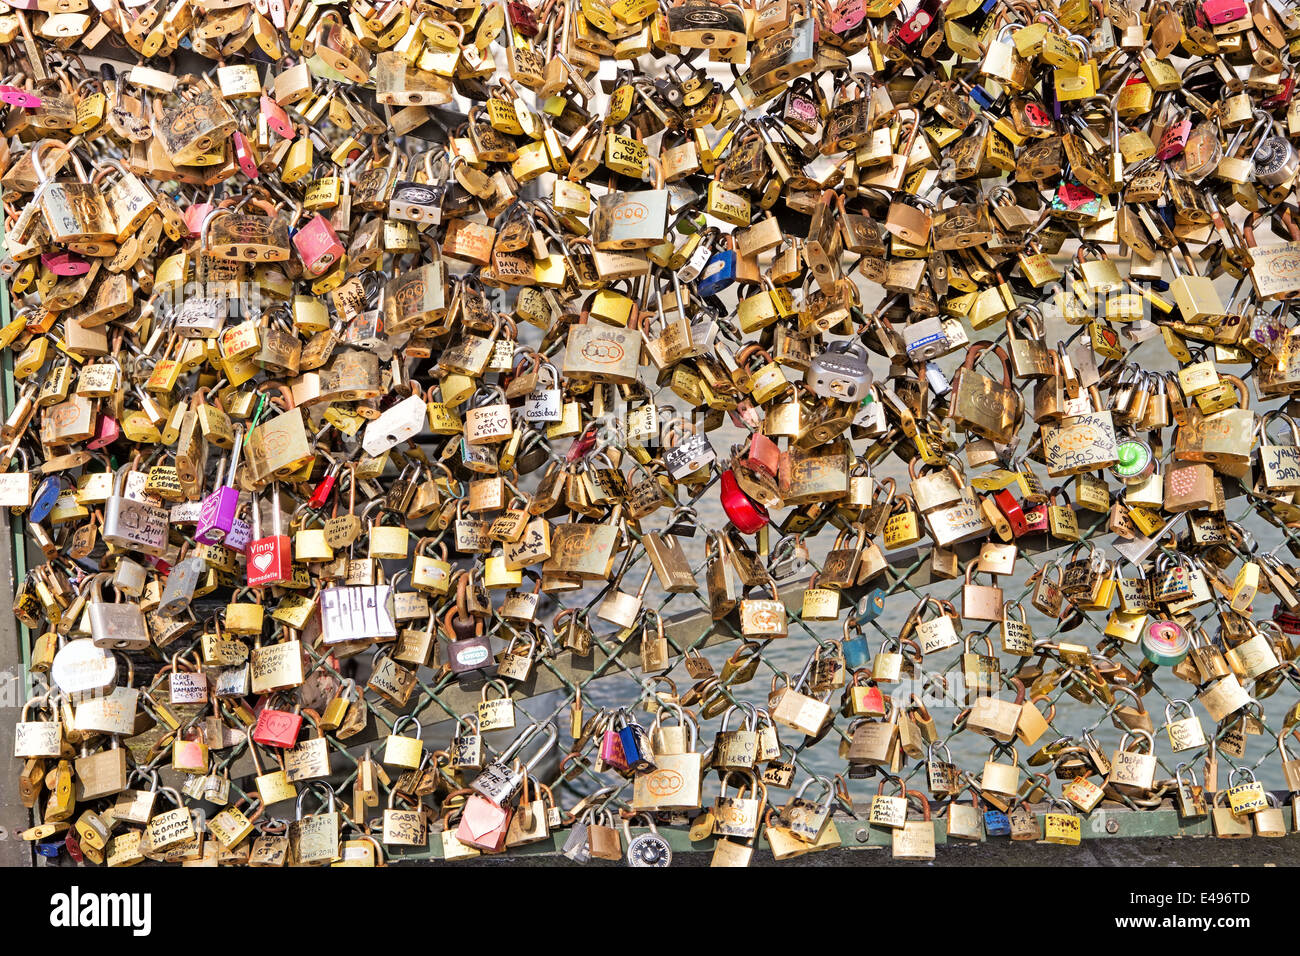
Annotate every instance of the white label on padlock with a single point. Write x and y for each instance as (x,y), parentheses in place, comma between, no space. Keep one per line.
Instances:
(231,682)
(188,688)
(404,420)
(353,613)
(187,512)
(543,405)
(696,263)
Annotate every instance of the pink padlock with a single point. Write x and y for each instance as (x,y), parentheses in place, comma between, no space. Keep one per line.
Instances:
(318,246)
(194,217)
(277,119)
(611,749)
(483,824)
(244,155)
(65,263)
(1219,12)
(17,96)
(847,16)
(764,454)
(1174,139)
(107,431)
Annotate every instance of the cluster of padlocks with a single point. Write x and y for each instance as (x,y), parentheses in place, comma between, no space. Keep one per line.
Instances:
(272,421)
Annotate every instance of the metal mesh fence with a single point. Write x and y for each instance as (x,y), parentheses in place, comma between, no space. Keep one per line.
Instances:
(611,678)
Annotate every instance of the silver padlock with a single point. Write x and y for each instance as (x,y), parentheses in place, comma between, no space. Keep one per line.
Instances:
(925,339)
(646,849)
(118,626)
(501,779)
(134,525)
(183,578)
(840,372)
(397,424)
(200,317)
(1276,160)
(129,577)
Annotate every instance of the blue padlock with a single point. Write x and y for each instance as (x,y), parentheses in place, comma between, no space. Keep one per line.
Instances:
(1167,213)
(856,653)
(869,607)
(46,494)
(997,823)
(636,745)
(983,98)
(719,273)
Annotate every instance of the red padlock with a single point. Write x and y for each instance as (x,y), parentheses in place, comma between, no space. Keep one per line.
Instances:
(1014,513)
(277,728)
(745,513)
(919,23)
(1289,623)
(74,847)
(270,559)
(522,18)
(1035,517)
(322,492)
(1282,97)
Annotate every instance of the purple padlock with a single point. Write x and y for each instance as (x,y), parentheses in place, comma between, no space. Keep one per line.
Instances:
(217,514)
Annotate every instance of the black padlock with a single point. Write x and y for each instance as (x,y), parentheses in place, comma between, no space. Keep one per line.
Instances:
(469,654)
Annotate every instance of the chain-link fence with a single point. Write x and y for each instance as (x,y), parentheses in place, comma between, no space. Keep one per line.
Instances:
(1080,688)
